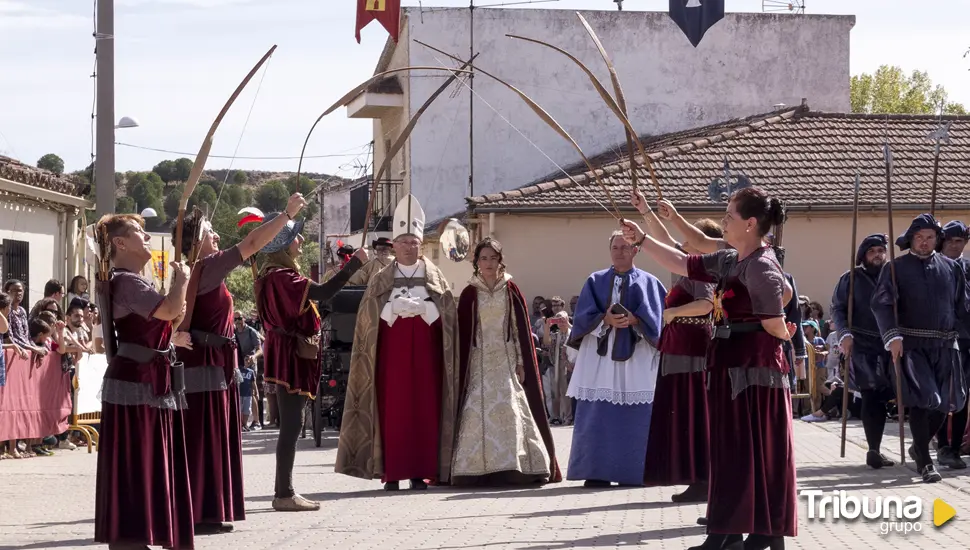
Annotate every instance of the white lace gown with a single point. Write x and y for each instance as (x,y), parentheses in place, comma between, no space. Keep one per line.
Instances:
(497,432)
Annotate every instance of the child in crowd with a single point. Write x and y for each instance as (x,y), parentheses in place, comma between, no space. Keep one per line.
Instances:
(246,395)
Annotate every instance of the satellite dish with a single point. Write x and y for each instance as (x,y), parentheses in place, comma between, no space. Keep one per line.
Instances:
(455,241)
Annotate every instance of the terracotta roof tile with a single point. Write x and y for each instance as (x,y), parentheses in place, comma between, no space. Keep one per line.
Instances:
(806,158)
(14,170)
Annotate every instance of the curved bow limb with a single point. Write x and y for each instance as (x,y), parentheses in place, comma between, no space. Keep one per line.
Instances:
(607,98)
(631,134)
(354,93)
(546,117)
(399,143)
(200,159)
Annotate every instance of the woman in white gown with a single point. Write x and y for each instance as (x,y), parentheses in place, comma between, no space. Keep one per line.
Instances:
(503,432)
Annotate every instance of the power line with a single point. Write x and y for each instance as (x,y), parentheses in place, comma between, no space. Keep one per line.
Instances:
(238,157)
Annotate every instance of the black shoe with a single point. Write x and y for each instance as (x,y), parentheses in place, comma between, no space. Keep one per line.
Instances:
(949,458)
(764,542)
(912,453)
(930,475)
(695,492)
(392,486)
(720,542)
(702,520)
(875,460)
(418,485)
(597,484)
(213,528)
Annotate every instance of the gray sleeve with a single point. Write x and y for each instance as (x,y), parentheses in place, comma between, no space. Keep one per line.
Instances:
(766,286)
(131,293)
(217,267)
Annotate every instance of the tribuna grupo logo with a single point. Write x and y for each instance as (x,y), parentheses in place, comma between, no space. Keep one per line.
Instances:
(895,514)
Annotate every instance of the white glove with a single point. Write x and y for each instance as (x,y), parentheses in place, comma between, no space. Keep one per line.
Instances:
(407,307)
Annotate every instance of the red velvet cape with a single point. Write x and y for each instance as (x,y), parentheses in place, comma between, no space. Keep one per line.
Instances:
(467,328)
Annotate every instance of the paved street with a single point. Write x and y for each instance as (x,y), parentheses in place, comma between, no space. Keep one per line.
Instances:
(49,503)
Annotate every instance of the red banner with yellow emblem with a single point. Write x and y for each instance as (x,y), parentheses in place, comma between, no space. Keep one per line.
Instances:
(386,12)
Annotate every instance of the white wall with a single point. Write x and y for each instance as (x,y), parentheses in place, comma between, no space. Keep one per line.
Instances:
(41,228)
(746,64)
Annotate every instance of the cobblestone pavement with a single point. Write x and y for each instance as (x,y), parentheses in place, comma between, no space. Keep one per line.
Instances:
(48,502)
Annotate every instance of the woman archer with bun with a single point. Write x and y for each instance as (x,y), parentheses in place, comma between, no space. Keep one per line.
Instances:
(752,472)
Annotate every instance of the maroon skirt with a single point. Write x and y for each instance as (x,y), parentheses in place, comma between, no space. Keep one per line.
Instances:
(752,476)
(409,375)
(213,436)
(142,494)
(677,448)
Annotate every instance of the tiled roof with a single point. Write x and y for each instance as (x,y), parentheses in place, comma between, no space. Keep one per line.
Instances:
(14,170)
(808,159)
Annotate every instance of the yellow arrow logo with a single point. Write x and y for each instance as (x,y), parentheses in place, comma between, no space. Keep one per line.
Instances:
(942,512)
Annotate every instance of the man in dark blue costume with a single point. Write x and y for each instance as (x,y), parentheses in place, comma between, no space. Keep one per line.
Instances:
(950,438)
(931,298)
(871,367)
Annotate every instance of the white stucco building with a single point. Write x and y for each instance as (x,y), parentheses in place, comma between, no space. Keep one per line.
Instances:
(39,214)
(747,63)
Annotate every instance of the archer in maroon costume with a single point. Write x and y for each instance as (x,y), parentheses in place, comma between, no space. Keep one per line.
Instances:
(752,486)
(212,425)
(213,433)
(142,492)
(678,453)
(752,478)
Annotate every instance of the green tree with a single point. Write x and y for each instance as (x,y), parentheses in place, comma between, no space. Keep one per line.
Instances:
(240,286)
(124,205)
(51,163)
(174,170)
(306,186)
(889,90)
(172,198)
(271,196)
(240,177)
(153,182)
(204,197)
(236,196)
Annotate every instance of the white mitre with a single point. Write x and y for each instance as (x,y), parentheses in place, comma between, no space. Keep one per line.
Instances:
(408,218)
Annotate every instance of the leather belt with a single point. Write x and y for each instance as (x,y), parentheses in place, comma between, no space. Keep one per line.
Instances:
(926,333)
(142,354)
(727,330)
(692,320)
(208,339)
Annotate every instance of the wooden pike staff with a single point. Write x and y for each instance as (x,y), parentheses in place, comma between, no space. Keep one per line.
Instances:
(847,361)
(901,410)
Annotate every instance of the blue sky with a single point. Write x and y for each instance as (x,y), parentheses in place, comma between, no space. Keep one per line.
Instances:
(177,61)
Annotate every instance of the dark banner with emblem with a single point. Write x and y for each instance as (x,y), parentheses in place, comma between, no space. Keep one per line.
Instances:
(386,12)
(695,17)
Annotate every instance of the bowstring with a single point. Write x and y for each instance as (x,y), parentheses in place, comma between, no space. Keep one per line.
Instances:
(532,143)
(241,134)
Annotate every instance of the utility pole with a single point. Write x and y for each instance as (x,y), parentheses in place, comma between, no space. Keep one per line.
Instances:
(104,161)
(471,99)
(322,261)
